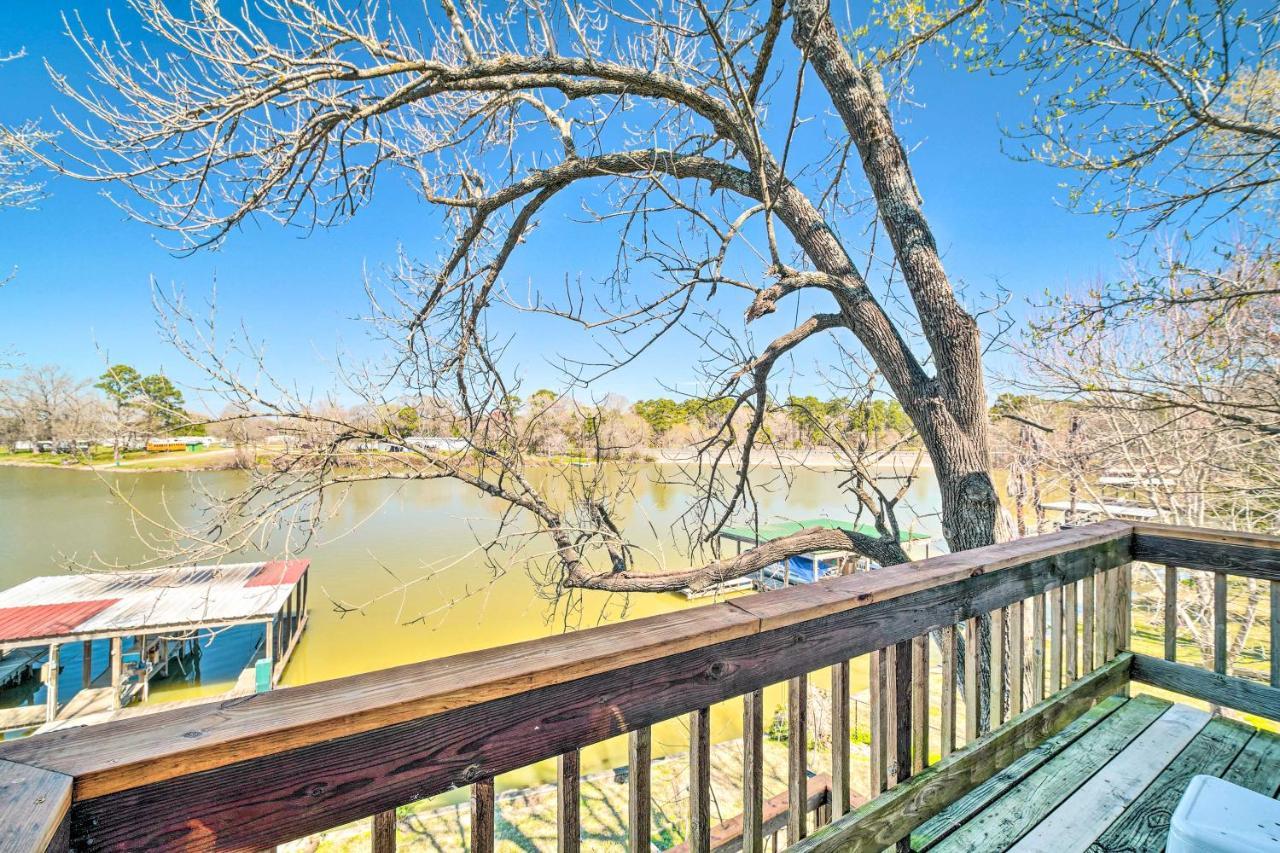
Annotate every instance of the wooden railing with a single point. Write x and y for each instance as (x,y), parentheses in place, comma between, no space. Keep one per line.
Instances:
(257,771)
(1221,556)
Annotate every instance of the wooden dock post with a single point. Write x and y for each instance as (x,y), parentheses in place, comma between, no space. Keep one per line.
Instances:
(117,670)
(86,664)
(269,646)
(51,684)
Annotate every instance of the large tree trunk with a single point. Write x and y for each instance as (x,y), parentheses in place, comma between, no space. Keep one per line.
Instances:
(950,408)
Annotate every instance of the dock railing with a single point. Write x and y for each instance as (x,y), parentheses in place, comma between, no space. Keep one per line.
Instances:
(257,771)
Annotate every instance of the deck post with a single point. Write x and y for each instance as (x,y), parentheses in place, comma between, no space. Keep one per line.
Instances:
(117,670)
(51,684)
(86,664)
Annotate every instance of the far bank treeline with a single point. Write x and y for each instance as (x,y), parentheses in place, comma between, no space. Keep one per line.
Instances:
(124,405)
(121,406)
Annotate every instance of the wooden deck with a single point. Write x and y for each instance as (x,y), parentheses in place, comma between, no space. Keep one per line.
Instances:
(1109,781)
(1060,760)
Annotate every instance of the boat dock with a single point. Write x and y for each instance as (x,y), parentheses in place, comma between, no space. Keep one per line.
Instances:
(1111,509)
(803,568)
(148,621)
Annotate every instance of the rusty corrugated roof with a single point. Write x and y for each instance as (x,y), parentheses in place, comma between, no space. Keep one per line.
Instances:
(48,620)
(278,572)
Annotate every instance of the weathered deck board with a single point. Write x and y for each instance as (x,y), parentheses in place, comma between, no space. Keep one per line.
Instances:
(1086,811)
(1257,765)
(889,818)
(936,828)
(1144,825)
(1019,811)
(1124,804)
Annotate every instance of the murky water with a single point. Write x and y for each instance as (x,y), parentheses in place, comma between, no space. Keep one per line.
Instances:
(404,555)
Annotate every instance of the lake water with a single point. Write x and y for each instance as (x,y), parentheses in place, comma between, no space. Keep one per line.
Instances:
(402,553)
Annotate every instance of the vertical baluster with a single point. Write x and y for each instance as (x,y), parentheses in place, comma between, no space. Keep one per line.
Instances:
(700,781)
(996,685)
(1219,629)
(1124,594)
(1055,640)
(568,808)
(797,757)
(482,816)
(1171,613)
(639,755)
(383,837)
(840,738)
(971,711)
(1017,659)
(1107,604)
(1113,613)
(903,719)
(948,702)
(877,693)
(891,700)
(1275,633)
(1088,618)
(902,659)
(1070,637)
(1219,622)
(919,703)
(1037,648)
(752,774)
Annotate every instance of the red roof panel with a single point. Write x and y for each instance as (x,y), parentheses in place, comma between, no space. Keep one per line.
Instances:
(48,620)
(278,572)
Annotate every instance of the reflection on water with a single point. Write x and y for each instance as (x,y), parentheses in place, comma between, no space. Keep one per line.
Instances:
(406,551)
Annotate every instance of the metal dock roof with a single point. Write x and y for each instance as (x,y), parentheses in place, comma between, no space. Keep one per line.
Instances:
(61,608)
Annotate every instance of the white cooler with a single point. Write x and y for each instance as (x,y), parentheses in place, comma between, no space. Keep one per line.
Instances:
(1218,817)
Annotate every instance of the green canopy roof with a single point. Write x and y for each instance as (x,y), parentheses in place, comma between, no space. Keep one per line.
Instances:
(779,529)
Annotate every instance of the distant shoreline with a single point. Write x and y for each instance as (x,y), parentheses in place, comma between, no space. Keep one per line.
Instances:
(821,459)
(223,459)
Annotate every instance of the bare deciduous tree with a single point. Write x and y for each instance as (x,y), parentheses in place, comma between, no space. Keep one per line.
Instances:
(676,129)
(1177,414)
(45,404)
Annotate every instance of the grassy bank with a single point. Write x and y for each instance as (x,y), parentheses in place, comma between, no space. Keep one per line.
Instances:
(103,459)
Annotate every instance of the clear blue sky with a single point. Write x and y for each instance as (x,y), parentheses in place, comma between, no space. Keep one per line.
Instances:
(85,271)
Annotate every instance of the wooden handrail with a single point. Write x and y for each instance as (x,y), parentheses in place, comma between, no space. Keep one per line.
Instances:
(34,806)
(266,768)
(1254,555)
